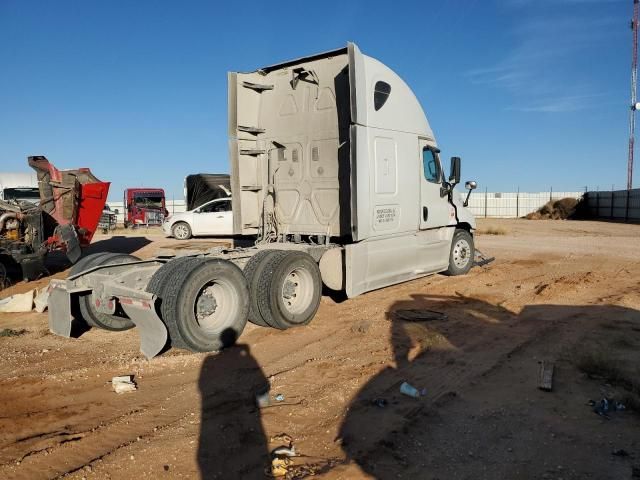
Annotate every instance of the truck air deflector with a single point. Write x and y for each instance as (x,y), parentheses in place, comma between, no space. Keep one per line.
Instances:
(310,58)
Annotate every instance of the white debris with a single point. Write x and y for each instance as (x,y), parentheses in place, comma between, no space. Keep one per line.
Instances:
(42,299)
(18,303)
(123,384)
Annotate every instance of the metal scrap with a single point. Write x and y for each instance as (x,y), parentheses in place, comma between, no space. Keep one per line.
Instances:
(481,259)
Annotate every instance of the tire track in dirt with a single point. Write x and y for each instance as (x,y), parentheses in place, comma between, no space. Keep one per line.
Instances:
(55,456)
(61,457)
(325,363)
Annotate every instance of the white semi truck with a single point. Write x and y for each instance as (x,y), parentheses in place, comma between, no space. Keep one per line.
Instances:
(335,170)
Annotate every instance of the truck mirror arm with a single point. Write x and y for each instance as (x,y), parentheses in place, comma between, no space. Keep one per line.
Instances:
(470,186)
(466,200)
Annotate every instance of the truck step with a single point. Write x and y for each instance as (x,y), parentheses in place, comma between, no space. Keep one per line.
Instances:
(256,86)
(253,130)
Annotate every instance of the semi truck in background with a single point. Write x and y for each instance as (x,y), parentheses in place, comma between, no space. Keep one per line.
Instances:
(144,206)
(336,172)
(19,186)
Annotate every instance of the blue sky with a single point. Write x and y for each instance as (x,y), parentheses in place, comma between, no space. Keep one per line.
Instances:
(530,93)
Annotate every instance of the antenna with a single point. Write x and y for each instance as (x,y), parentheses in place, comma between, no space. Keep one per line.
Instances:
(634,103)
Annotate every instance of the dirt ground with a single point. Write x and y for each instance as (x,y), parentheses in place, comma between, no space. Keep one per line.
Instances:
(558,291)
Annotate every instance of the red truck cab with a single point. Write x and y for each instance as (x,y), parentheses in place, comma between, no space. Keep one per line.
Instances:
(144,206)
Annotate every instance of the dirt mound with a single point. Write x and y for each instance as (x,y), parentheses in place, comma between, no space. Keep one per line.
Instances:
(562,209)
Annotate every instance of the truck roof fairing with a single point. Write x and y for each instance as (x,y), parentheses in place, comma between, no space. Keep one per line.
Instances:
(411,118)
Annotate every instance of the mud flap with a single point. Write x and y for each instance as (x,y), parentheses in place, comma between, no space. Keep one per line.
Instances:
(61,316)
(153,332)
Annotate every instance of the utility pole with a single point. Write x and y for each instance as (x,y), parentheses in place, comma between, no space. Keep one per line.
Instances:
(634,102)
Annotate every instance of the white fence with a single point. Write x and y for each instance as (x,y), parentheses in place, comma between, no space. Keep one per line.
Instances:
(512,205)
(174,206)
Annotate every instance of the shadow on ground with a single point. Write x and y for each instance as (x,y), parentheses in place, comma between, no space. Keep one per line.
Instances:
(232,441)
(389,434)
(117,244)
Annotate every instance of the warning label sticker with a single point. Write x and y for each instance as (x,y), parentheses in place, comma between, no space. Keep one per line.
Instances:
(386,217)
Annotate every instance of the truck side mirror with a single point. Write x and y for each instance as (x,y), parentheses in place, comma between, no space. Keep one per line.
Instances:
(470,185)
(454,175)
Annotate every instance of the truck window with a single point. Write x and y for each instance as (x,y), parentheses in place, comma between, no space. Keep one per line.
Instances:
(28,194)
(381,92)
(148,201)
(431,166)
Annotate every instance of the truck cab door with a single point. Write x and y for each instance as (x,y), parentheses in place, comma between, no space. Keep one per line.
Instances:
(435,210)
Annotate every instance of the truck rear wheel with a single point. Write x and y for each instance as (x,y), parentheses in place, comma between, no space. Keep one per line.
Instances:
(206,304)
(462,253)
(165,273)
(252,271)
(4,273)
(288,289)
(116,322)
(85,263)
(162,278)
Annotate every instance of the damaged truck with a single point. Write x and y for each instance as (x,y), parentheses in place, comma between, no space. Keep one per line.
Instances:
(335,170)
(64,219)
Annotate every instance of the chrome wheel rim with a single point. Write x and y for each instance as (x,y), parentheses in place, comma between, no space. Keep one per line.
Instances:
(461,253)
(297,291)
(215,303)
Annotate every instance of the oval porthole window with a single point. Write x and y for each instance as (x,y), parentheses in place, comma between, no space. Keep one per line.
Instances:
(381,92)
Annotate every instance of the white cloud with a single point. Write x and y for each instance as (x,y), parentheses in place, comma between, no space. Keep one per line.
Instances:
(538,67)
(571,103)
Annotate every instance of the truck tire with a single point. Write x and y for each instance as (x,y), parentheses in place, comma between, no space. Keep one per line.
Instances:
(288,289)
(205,306)
(87,262)
(462,253)
(181,231)
(164,274)
(162,278)
(118,321)
(4,274)
(252,271)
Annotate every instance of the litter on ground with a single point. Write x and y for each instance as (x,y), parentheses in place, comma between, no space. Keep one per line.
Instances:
(123,384)
(18,303)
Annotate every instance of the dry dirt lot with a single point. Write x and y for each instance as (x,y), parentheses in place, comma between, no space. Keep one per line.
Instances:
(566,292)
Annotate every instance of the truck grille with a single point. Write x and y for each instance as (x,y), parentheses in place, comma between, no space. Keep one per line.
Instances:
(154,218)
(107,221)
